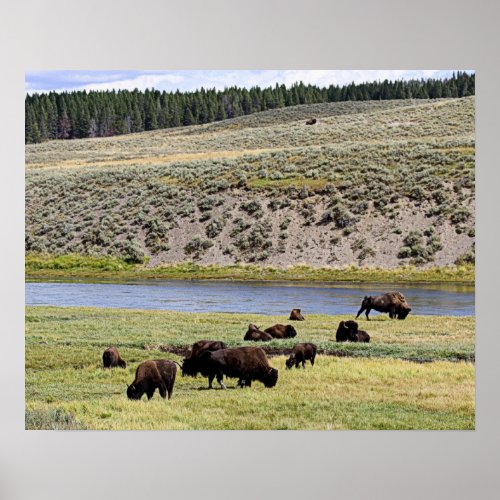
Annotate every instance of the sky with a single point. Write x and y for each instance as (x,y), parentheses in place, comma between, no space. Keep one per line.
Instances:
(46,81)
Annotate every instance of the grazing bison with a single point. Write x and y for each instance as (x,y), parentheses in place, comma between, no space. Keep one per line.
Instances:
(393,303)
(244,363)
(296,316)
(348,331)
(151,375)
(191,364)
(311,121)
(255,334)
(281,331)
(111,358)
(301,353)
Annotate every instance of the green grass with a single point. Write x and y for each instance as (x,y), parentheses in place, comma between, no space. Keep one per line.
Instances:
(73,265)
(66,386)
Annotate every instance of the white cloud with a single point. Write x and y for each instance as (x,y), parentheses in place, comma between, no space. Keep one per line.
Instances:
(192,80)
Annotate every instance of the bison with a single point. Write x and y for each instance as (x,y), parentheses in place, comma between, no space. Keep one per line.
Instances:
(301,353)
(111,358)
(191,365)
(151,375)
(348,331)
(296,316)
(255,334)
(244,363)
(393,303)
(281,331)
(311,121)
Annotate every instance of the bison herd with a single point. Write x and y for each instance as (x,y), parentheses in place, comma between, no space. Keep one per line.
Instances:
(212,359)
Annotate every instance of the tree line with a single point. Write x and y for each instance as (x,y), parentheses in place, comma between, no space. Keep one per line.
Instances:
(80,114)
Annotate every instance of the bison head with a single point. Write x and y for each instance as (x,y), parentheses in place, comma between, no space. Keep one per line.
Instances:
(133,392)
(290,331)
(270,377)
(122,363)
(290,361)
(403,312)
(190,367)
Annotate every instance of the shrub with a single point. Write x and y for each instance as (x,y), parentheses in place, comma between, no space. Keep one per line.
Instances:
(53,419)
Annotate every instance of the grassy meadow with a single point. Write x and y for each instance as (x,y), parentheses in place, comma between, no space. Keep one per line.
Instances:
(372,386)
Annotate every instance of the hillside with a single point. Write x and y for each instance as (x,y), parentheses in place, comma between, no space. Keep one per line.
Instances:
(379,183)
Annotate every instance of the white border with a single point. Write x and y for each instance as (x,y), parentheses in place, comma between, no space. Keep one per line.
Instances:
(257,34)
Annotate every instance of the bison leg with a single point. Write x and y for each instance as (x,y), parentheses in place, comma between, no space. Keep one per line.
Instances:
(210,380)
(220,377)
(163,391)
(367,313)
(312,360)
(359,312)
(303,363)
(150,392)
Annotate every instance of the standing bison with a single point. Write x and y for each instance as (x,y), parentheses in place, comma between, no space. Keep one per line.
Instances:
(348,331)
(296,316)
(281,331)
(255,334)
(151,375)
(393,303)
(191,364)
(301,353)
(111,358)
(244,363)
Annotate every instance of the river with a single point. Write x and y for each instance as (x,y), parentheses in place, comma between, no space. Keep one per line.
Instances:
(259,297)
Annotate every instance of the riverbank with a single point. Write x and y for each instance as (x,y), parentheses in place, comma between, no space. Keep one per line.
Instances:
(46,266)
(356,386)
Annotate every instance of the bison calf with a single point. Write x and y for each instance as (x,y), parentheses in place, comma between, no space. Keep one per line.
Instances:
(281,331)
(191,365)
(151,375)
(348,331)
(244,363)
(255,334)
(301,353)
(296,316)
(111,358)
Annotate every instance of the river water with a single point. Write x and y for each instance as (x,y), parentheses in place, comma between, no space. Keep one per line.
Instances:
(259,297)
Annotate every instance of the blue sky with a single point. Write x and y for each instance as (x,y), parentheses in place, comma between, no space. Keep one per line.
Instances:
(45,81)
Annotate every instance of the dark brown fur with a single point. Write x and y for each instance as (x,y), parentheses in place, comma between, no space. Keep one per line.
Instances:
(244,363)
(296,316)
(311,121)
(301,353)
(348,331)
(111,358)
(393,303)
(190,364)
(255,334)
(151,375)
(281,331)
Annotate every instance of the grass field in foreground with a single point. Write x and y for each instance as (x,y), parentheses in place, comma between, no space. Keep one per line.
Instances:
(66,386)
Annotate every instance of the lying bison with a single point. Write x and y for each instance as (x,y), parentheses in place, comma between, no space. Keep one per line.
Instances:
(301,353)
(151,375)
(255,334)
(296,316)
(281,331)
(111,358)
(311,121)
(244,363)
(393,303)
(191,364)
(348,331)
